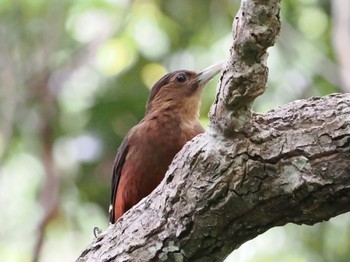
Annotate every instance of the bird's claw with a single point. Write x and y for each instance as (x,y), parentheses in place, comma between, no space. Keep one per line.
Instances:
(97,232)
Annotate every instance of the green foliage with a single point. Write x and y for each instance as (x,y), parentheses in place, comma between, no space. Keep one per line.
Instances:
(75,76)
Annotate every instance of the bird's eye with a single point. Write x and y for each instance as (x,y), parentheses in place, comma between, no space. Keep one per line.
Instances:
(181,78)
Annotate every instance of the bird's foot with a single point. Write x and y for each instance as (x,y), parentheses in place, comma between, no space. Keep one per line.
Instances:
(97,231)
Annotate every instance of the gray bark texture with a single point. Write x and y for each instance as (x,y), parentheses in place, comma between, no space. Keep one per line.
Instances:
(248,173)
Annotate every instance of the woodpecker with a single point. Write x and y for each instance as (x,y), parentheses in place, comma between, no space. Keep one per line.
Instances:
(171,119)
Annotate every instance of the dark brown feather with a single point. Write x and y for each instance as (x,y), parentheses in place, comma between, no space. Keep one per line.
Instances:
(117,169)
(143,159)
(157,86)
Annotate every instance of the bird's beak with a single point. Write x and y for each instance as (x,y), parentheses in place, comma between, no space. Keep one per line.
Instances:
(208,73)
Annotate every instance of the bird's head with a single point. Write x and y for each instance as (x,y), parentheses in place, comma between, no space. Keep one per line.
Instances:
(181,90)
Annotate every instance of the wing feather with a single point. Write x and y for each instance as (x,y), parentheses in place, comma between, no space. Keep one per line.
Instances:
(117,170)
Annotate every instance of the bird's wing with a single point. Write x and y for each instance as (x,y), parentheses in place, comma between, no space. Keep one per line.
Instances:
(117,169)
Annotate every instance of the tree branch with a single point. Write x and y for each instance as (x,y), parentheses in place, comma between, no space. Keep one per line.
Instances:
(256,27)
(293,166)
(249,172)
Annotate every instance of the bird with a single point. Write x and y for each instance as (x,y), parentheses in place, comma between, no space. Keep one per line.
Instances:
(171,119)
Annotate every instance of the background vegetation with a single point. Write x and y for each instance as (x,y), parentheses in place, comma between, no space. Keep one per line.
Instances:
(75,76)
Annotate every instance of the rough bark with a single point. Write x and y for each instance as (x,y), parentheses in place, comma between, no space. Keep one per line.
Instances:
(292,165)
(249,172)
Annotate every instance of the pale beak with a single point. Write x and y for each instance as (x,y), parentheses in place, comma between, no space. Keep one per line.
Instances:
(208,73)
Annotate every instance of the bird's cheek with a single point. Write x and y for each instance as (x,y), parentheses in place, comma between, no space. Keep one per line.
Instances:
(193,88)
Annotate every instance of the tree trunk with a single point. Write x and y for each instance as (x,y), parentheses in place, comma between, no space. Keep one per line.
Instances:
(249,172)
